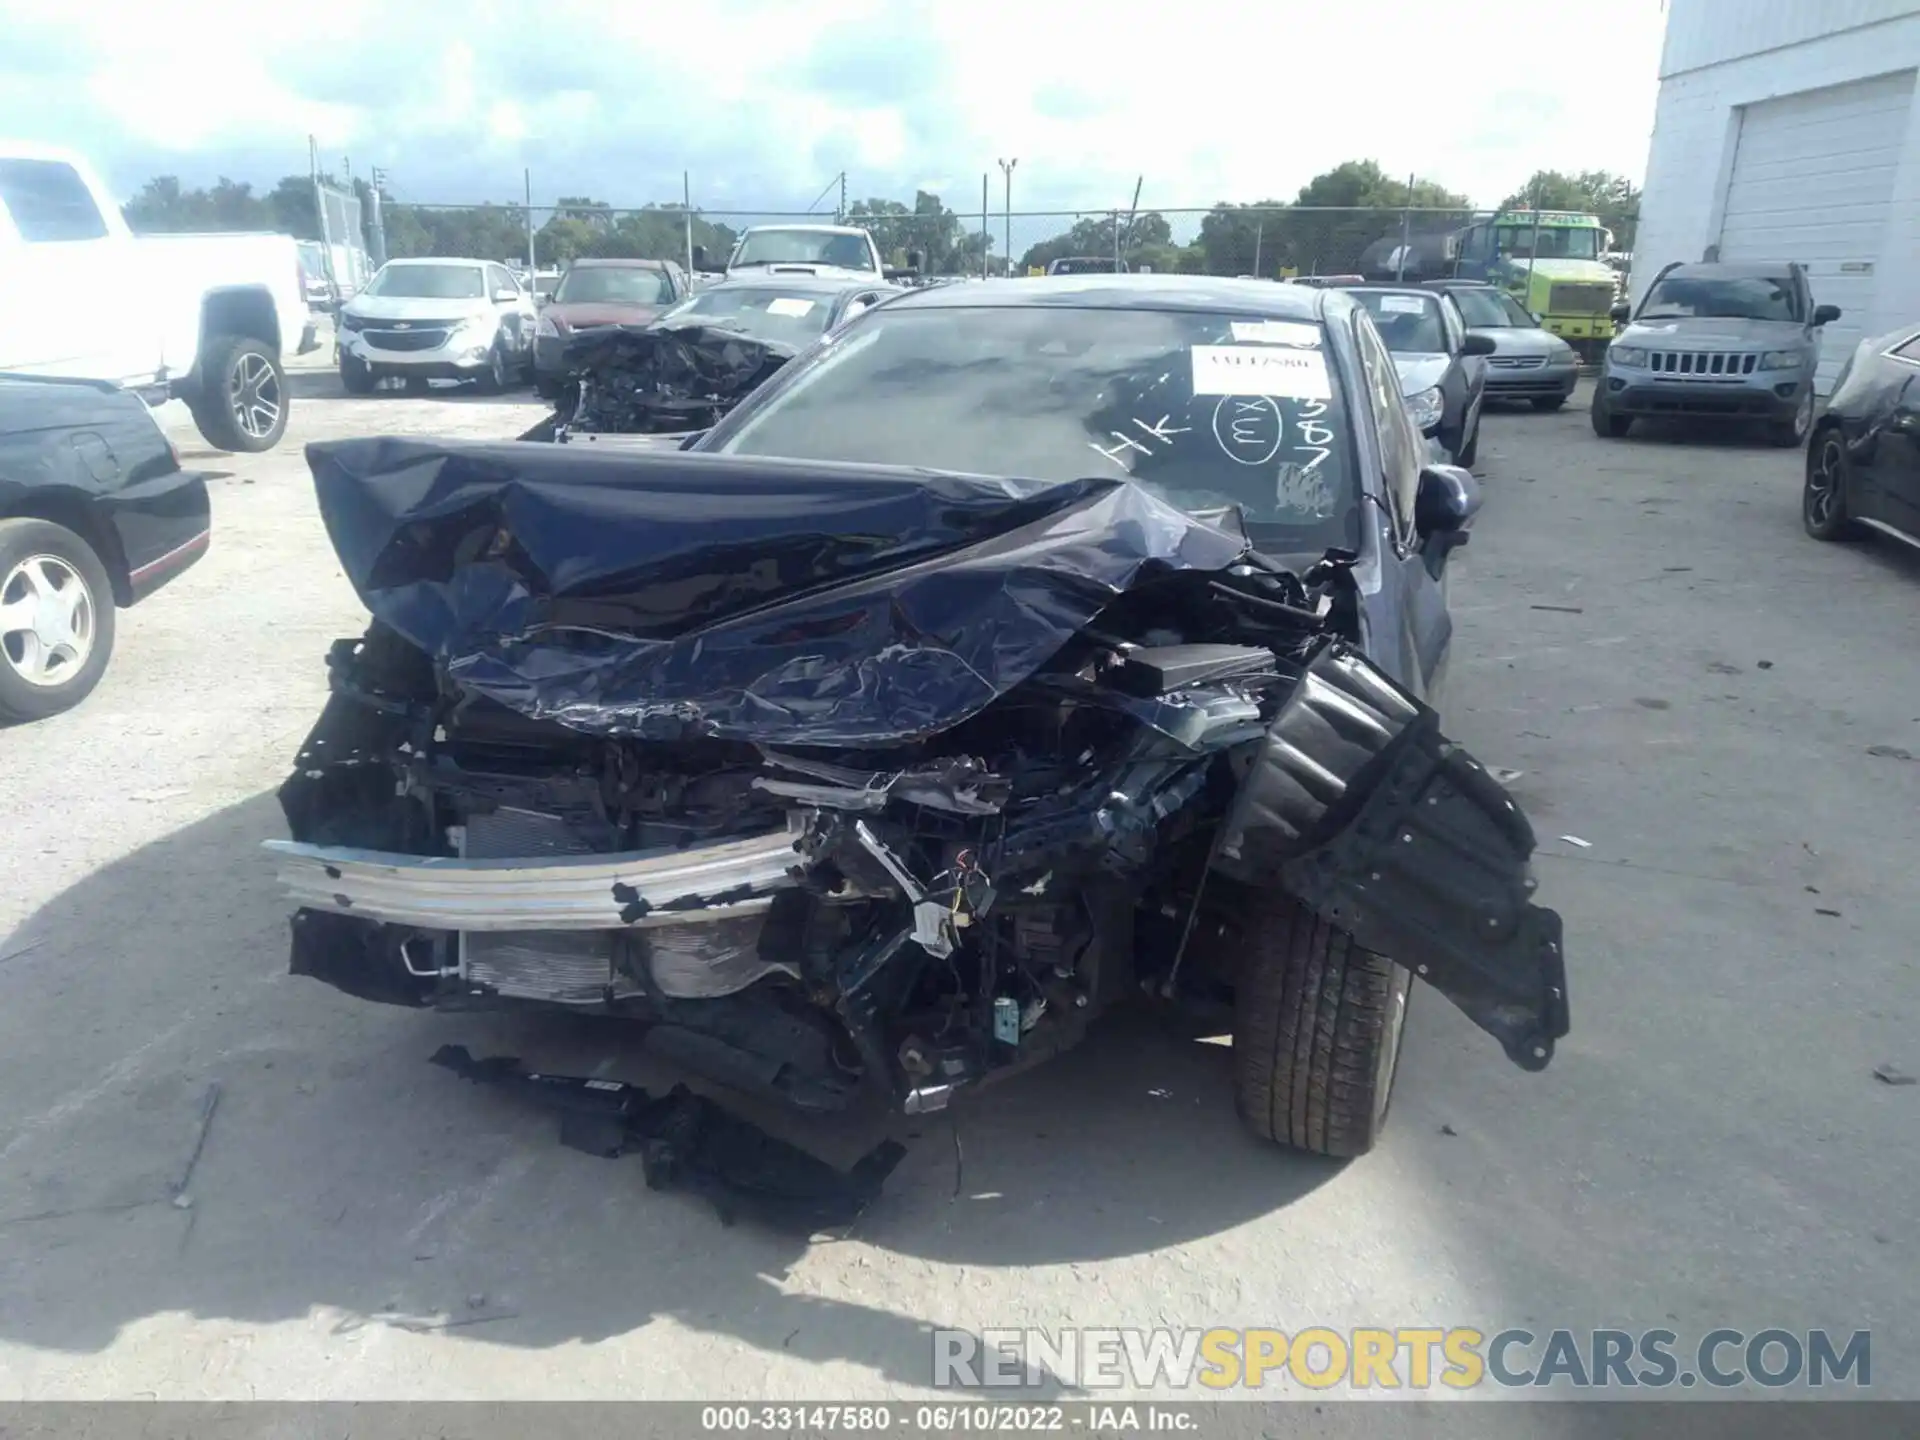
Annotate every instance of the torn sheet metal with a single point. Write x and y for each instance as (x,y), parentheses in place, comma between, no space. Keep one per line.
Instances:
(686,1142)
(634,379)
(770,601)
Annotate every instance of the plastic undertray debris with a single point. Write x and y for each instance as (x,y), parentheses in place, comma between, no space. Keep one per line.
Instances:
(686,1142)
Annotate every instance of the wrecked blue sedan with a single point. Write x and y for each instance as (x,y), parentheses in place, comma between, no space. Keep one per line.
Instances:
(1015,651)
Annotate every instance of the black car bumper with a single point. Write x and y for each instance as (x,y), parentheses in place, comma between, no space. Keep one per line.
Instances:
(1531,384)
(163,526)
(1751,402)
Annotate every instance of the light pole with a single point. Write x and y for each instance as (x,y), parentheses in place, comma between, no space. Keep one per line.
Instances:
(1006,172)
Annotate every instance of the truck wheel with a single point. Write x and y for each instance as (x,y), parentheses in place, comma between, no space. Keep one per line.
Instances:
(1316,1033)
(356,376)
(1606,424)
(241,401)
(56,619)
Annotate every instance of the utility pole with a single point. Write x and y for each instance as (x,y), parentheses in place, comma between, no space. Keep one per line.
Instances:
(533,269)
(686,205)
(1006,170)
(1115,215)
(1406,234)
(379,236)
(1259,234)
(986,233)
(840,215)
(1533,250)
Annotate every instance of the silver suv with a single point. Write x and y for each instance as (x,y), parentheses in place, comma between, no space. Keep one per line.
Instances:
(1730,340)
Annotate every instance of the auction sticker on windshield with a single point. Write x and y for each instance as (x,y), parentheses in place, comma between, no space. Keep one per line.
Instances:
(789,305)
(1275,332)
(1295,374)
(1402,305)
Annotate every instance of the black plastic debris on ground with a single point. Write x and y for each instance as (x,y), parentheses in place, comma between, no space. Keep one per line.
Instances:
(633,380)
(686,1142)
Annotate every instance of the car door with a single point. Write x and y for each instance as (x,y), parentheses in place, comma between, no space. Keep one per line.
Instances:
(1414,590)
(516,312)
(1469,372)
(1899,450)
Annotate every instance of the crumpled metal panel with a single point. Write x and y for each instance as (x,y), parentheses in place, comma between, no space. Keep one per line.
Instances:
(770,601)
(650,379)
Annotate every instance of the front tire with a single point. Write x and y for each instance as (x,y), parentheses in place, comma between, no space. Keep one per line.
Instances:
(498,375)
(356,376)
(1823,499)
(56,619)
(1606,424)
(240,404)
(1316,1035)
(1470,451)
(1787,433)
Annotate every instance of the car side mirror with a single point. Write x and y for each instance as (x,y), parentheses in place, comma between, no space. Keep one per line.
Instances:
(1446,501)
(1825,314)
(504,296)
(1621,313)
(1477,344)
(1538,318)
(699,257)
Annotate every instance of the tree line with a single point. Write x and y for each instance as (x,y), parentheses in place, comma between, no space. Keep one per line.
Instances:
(1323,229)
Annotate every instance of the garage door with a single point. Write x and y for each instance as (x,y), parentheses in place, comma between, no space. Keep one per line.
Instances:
(1812,180)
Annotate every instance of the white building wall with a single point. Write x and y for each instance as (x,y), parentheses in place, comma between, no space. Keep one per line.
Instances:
(1723,54)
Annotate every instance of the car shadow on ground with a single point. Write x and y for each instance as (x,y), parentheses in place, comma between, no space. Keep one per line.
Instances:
(345,1183)
(1705,431)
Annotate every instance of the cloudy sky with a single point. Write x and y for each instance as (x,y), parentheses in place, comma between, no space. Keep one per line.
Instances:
(765,102)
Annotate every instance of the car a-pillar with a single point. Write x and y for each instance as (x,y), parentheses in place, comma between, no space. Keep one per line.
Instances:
(238,391)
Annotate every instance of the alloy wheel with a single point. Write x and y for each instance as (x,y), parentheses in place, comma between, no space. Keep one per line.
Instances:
(253,390)
(47,623)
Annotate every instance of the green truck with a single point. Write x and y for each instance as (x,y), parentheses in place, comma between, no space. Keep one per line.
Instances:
(1553,262)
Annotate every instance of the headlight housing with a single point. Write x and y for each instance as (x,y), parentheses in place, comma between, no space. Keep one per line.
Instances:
(547,327)
(1427,407)
(1783,359)
(475,325)
(350,322)
(1631,356)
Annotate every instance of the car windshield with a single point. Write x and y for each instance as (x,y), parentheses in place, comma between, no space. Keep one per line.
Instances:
(428,282)
(1490,310)
(771,312)
(1410,324)
(1557,242)
(1206,411)
(1700,297)
(609,285)
(803,247)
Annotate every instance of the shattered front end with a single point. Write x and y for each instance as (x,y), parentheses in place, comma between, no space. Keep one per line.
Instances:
(845,779)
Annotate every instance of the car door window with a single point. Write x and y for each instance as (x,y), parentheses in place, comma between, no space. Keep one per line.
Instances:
(501,278)
(1400,443)
(49,201)
(1910,350)
(1455,326)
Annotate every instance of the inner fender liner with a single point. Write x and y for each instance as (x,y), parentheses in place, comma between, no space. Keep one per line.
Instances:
(1435,871)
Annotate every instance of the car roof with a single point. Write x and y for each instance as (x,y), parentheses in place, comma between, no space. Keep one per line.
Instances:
(618,262)
(1733,270)
(779,280)
(1209,293)
(820,229)
(1390,287)
(1452,285)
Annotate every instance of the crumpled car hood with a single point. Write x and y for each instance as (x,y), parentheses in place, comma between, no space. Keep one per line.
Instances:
(760,600)
(650,379)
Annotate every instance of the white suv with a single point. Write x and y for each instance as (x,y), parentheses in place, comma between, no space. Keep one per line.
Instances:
(438,320)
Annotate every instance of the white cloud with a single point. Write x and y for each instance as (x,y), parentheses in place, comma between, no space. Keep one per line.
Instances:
(764,101)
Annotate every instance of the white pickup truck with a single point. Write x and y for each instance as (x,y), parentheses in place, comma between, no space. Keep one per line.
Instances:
(208,319)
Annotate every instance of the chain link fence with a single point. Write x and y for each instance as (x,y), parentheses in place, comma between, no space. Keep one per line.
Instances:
(1272,242)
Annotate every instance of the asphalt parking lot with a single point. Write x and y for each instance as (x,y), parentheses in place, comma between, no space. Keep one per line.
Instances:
(1723,710)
